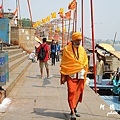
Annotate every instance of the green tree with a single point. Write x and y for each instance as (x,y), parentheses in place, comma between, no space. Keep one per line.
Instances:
(26,22)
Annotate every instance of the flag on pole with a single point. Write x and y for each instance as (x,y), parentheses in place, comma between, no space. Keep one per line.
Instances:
(53,15)
(68,15)
(1,11)
(72,5)
(43,20)
(61,11)
(15,12)
(38,23)
(48,19)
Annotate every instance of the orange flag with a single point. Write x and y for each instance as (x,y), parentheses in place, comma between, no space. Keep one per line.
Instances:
(53,15)
(1,11)
(68,14)
(61,11)
(48,19)
(72,5)
(43,20)
(16,10)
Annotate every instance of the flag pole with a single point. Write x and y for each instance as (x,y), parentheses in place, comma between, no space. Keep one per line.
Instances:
(30,12)
(93,45)
(73,20)
(82,6)
(19,13)
(68,30)
(62,31)
(76,17)
(2,3)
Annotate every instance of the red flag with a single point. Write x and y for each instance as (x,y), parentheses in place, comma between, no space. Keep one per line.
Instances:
(16,11)
(68,14)
(72,5)
(1,11)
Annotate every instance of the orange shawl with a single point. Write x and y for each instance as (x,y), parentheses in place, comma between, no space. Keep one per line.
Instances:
(69,64)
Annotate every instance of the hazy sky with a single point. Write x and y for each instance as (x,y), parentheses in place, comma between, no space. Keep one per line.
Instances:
(106,14)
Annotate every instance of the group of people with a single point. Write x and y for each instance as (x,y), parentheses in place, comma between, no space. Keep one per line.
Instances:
(74,65)
(49,51)
(115,79)
(73,69)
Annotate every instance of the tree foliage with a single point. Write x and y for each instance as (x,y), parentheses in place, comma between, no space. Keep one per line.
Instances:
(26,22)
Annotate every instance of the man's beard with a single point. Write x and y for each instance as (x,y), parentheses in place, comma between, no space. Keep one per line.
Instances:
(76,45)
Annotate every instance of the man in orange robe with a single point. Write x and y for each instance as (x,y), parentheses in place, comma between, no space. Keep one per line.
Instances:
(74,67)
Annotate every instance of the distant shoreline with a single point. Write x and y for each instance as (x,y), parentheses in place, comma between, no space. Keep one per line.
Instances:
(116,44)
(117,47)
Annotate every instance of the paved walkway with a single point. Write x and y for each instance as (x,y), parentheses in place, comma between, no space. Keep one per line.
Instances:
(37,99)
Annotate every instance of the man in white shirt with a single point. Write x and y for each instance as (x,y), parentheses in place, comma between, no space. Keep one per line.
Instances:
(32,56)
(100,69)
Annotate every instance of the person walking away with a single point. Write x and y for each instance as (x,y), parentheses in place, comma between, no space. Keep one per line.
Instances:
(58,52)
(53,52)
(74,67)
(43,57)
(100,69)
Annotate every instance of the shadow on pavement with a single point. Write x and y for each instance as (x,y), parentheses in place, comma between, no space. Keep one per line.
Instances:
(31,77)
(46,81)
(47,113)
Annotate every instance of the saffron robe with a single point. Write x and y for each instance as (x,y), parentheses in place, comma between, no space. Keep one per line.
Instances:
(71,65)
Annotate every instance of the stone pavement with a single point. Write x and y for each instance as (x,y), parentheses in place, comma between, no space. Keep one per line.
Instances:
(45,99)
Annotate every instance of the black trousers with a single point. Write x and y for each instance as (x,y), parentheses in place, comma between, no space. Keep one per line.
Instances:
(53,58)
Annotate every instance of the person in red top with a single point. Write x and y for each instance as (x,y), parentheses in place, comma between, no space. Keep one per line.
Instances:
(45,61)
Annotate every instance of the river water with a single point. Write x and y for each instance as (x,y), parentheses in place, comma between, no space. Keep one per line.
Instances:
(117,48)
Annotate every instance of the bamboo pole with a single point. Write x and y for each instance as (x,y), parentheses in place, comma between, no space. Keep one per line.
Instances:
(62,32)
(17,7)
(76,18)
(2,8)
(93,44)
(2,3)
(19,13)
(73,21)
(82,7)
(68,31)
(30,12)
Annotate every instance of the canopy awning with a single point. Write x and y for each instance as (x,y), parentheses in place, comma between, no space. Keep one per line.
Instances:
(115,53)
(106,47)
(97,51)
(100,52)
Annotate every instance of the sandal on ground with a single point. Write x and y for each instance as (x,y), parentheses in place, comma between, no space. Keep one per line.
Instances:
(73,117)
(76,113)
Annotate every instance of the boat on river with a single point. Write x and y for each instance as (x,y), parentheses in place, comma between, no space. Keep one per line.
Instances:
(112,62)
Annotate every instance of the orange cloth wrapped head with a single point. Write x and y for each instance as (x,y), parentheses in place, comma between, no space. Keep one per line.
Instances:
(76,36)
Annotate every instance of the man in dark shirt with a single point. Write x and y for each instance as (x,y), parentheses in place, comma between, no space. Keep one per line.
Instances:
(53,52)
